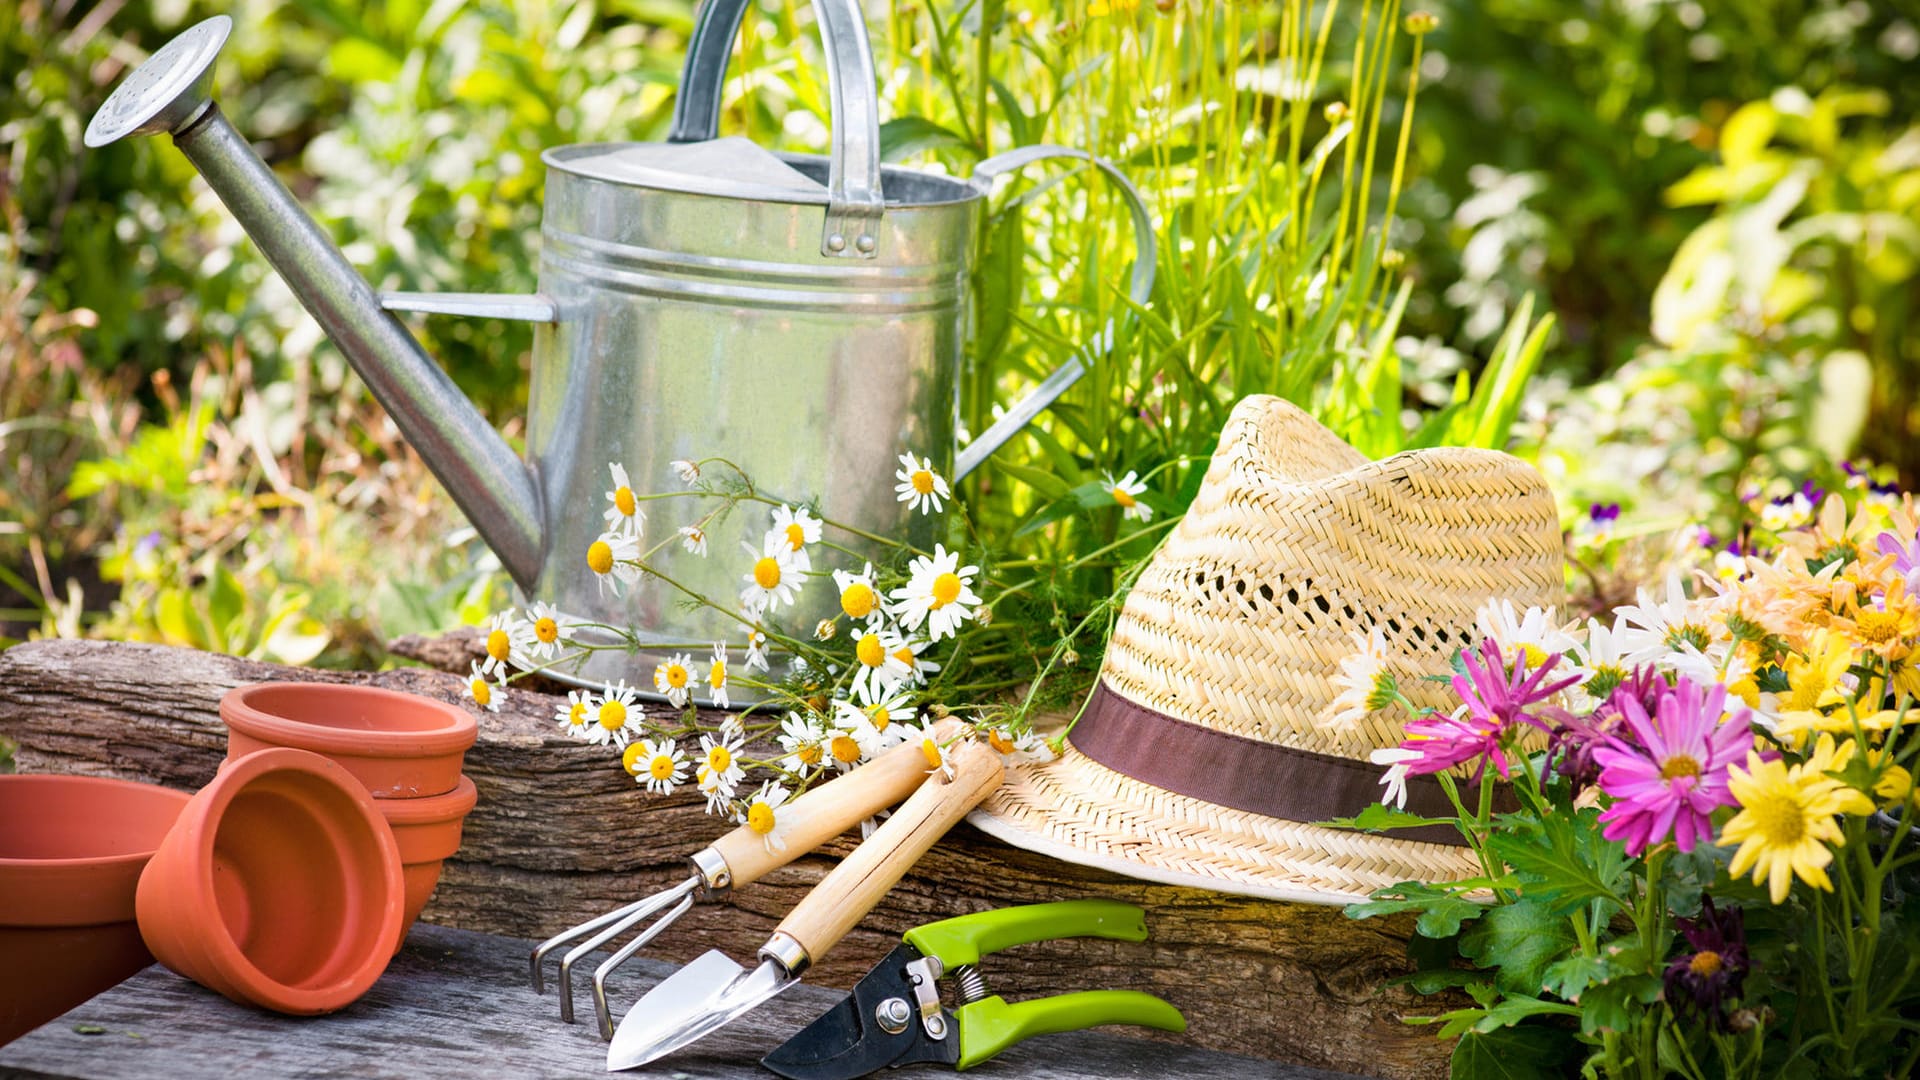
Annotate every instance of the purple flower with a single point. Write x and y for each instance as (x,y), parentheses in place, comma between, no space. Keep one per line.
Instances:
(1494,697)
(1600,513)
(1573,743)
(1668,779)
(1702,981)
(1444,741)
(1906,557)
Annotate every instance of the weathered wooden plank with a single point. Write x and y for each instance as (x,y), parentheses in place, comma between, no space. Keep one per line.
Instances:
(559,836)
(456,1003)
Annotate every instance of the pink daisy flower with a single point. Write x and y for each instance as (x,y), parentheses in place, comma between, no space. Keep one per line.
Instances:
(1668,778)
(1494,697)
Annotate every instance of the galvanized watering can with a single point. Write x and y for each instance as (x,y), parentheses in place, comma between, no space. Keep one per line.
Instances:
(805,317)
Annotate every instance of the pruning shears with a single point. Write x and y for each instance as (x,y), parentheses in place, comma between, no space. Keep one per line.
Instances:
(894,1016)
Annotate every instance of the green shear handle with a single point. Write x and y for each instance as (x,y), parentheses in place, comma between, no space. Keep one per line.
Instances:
(964,940)
(990,1025)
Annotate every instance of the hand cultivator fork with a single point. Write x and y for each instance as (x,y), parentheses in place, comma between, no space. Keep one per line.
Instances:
(741,857)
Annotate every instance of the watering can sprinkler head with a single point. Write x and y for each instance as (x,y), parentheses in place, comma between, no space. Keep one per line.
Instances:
(168,92)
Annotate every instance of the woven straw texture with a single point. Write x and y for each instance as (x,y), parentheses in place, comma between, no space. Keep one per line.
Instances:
(1295,544)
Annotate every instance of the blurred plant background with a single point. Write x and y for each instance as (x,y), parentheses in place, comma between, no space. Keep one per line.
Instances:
(1668,250)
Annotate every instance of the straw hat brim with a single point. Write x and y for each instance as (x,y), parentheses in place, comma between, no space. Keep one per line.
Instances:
(1079,811)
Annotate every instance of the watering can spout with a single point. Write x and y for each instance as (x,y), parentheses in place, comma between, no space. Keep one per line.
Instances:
(171,93)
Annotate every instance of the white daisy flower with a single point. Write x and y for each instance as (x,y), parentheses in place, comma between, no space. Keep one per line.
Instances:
(938,760)
(498,637)
(687,471)
(1395,778)
(858,597)
(720,769)
(920,487)
(762,815)
(1534,634)
(576,716)
(610,715)
(623,507)
(875,730)
(844,750)
(877,668)
(772,581)
(675,679)
(756,659)
(1602,666)
(937,593)
(1021,749)
(1365,686)
(1127,491)
(694,539)
(536,639)
(908,653)
(660,766)
(796,528)
(1651,630)
(612,559)
(803,740)
(484,694)
(717,677)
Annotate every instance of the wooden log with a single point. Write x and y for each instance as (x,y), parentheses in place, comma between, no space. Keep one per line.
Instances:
(560,836)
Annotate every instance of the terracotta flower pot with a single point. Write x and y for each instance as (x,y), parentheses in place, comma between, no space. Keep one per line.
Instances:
(400,746)
(280,886)
(427,832)
(71,851)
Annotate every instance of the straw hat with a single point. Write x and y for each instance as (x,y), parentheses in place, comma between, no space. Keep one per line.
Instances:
(1209,747)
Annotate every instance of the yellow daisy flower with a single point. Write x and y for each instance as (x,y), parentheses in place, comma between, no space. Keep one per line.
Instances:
(1787,818)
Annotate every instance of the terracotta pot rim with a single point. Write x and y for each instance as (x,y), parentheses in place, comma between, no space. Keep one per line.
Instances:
(430,809)
(223,952)
(78,862)
(458,733)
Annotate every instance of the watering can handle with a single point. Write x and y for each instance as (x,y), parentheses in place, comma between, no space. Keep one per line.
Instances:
(854,201)
(1139,288)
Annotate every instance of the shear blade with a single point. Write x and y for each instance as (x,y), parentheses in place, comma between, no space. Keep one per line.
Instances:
(847,1040)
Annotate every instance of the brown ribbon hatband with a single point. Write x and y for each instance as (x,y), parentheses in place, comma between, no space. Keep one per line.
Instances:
(1249,775)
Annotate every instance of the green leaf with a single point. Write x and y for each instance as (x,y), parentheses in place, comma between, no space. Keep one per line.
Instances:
(1563,860)
(1570,978)
(1615,1005)
(1001,280)
(1040,480)
(1520,1053)
(1441,911)
(1518,941)
(904,136)
(1381,816)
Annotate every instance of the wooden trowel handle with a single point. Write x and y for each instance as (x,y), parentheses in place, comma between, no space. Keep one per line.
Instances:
(851,890)
(830,809)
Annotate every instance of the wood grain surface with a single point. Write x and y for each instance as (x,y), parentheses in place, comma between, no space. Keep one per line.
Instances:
(561,834)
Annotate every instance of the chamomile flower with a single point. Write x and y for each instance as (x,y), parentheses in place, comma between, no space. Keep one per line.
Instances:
(717,676)
(687,471)
(908,653)
(804,742)
(937,593)
(610,715)
(576,716)
(796,528)
(858,597)
(756,658)
(843,748)
(762,815)
(875,734)
(920,487)
(720,769)
(536,639)
(877,666)
(1127,491)
(484,694)
(694,539)
(773,579)
(937,758)
(1534,634)
(660,766)
(498,638)
(675,679)
(1021,749)
(1398,760)
(623,507)
(1365,685)
(613,558)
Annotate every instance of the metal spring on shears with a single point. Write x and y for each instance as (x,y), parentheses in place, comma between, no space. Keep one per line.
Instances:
(972,985)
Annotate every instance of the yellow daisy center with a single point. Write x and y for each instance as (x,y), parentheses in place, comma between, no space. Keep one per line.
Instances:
(1705,964)
(499,645)
(931,751)
(717,675)
(809,754)
(719,759)
(613,715)
(946,589)
(1535,656)
(922,481)
(845,750)
(1779,818)
(676,676)
(546,630)
(1875,627)
(623,500)
(1679,765)
(858,600)
(630,758)
(904,654)
(760,818)
(577,713)
(1124,498)
(766,572)
(999,741)
(661,767)
(600,557)
(880,717)
(870,651)
(482,693)
(796,536)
